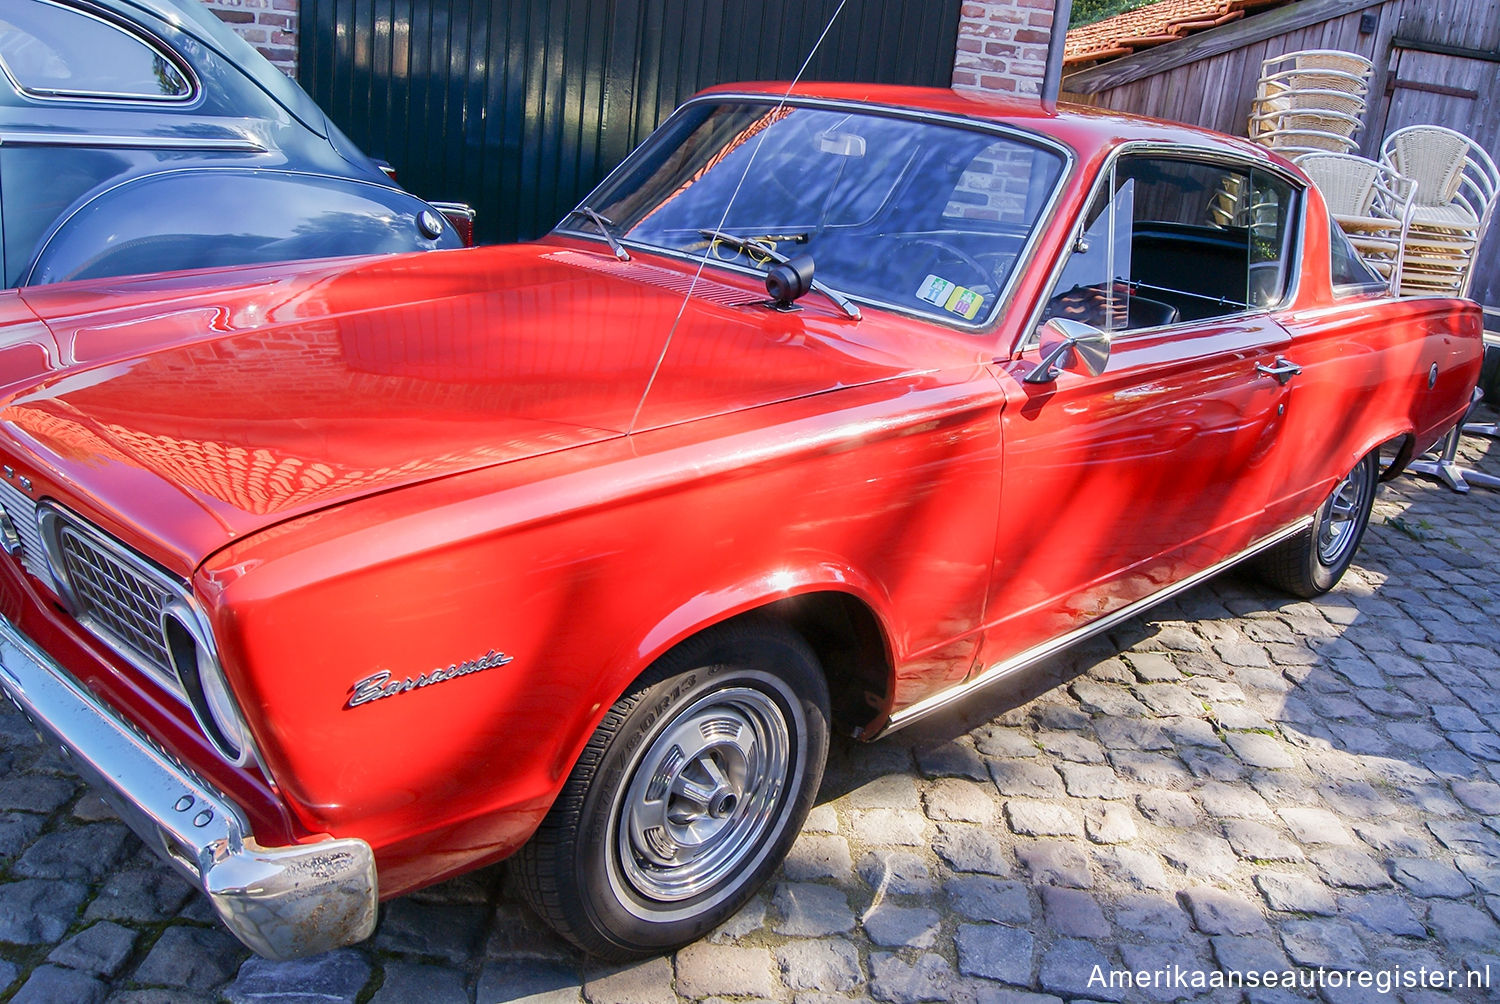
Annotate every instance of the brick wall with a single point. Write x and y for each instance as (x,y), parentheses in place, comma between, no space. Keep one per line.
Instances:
(269,25)
(1002,45)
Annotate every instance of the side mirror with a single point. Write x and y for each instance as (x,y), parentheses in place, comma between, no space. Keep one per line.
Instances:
(1069,345)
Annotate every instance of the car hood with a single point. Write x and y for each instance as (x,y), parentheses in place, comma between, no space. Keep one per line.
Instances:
(200,407)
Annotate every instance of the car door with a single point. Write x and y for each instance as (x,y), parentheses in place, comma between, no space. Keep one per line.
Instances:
(1119,484)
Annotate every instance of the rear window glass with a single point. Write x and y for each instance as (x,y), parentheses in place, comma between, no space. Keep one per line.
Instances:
(1350,273)
(48,50)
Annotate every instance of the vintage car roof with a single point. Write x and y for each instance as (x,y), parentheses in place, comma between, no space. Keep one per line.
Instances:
(1085,129)
(198,21)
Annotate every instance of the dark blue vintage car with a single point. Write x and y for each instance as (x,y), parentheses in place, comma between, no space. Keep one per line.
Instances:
(144,136)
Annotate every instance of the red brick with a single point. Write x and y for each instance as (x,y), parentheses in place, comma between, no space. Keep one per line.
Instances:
(1032,35)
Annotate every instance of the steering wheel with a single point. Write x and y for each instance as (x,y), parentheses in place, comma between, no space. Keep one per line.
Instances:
(983,276)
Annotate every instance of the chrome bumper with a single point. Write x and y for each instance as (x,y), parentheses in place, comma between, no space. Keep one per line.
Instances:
(282,902)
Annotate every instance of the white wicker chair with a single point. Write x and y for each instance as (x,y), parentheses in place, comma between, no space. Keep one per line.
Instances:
(1457,183)
(1312,100)
(1371,203)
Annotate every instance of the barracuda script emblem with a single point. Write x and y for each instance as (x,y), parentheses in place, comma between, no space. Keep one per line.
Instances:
(378,685)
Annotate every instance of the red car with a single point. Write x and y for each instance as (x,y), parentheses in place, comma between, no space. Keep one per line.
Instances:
(343,578)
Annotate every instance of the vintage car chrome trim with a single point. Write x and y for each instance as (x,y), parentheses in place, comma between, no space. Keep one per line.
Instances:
(111,142)
(1023,259)
(379,685)
(1175,151)
(282,902)
(1031,656)
(176,598)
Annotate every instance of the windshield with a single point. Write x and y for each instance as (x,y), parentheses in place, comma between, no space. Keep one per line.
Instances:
(919,215)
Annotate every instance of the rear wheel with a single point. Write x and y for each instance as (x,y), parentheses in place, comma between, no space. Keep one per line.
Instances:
(1312,562)
(687,797)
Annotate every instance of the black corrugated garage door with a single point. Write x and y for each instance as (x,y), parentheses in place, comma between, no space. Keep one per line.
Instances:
(520,107)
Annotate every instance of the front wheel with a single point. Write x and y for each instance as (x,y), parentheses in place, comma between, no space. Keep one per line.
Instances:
(687,796)
(1312,562)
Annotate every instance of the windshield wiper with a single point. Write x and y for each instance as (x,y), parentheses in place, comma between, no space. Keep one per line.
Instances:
(605,225)
(752,247)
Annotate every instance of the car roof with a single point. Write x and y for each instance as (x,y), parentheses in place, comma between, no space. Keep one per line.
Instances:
(1087,130)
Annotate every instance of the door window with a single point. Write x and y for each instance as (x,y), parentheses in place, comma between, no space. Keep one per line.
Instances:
(52,51)
(1171,240)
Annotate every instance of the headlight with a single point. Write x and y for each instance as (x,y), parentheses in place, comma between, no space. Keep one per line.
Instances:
(196,662)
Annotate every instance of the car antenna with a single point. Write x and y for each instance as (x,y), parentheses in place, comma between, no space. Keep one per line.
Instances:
(729,203)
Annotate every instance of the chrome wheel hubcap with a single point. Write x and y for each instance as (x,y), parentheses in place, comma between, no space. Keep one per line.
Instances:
(702,796)
(1339,522)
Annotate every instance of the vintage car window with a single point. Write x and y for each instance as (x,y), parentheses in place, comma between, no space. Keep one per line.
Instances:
(1350,273)
(1201,239)
(52,51)
(919,215)
(1093,286)
(1270,222)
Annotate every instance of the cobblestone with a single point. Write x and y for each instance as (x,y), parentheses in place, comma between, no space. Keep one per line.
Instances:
(705,970)
(1295,893)
(100,949)
(405,982)
(995,952)
(336,977)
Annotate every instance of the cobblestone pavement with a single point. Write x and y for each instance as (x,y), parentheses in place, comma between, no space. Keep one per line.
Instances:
(1237,781)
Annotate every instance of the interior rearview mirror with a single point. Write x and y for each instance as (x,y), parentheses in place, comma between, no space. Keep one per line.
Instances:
(1070,345)
(842,144)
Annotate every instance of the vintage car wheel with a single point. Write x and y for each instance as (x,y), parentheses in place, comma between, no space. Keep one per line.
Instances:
(1312,562)
(687,796)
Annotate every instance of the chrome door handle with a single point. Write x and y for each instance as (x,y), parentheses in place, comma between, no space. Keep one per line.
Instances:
(1283,371)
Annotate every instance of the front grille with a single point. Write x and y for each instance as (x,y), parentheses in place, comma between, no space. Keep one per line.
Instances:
(113,591)
(21,509)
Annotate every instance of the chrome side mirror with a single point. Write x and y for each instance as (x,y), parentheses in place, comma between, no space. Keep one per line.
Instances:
(1069,344)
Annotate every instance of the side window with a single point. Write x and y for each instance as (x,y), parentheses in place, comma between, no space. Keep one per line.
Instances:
(1172,240)
(48,50)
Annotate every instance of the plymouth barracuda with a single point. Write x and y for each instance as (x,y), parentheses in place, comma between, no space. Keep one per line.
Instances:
(824,410)
(144,135)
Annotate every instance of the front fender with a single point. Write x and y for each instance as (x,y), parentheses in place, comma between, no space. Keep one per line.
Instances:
(214,217)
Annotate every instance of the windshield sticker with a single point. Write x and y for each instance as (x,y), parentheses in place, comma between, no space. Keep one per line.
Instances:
(953,298)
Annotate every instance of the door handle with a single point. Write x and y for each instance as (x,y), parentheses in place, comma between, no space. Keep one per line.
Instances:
(1283,371)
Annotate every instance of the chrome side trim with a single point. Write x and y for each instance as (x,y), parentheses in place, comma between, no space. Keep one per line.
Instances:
(281,902)
(1031,656)
(113,142)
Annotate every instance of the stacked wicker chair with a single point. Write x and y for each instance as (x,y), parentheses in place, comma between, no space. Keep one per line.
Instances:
(1371,203)
(1457,183)
(1308,101)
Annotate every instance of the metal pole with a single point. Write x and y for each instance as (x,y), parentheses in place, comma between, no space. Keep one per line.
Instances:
(1062,10)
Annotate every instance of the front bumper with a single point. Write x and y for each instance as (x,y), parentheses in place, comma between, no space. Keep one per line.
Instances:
(282,902)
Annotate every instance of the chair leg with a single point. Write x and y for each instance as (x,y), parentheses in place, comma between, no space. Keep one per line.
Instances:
(1446,467)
